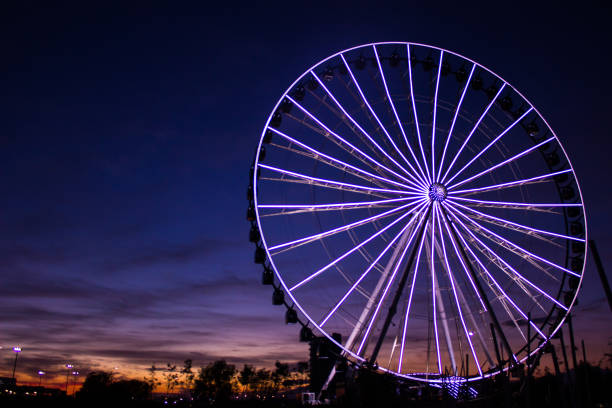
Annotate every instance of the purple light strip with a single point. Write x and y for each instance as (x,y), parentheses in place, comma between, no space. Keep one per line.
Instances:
(331,132)
(433,127)
(329,265)
(340,162)
(450,132)
(397,118)
(338,183)
(414,275)
(489,145)
(339,206)
(452,280)
(497,285)
(521,154)
(367,135)
(420,175)
(433,287)
(504,203)
(345,227)
(382,298)
(453,211)
(509,184)
(515,245)
(469,136)
(358,281)
(416,119)
(554,234)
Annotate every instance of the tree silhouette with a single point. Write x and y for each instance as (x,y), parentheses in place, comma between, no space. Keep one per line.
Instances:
(246,376)
(99,389)
(172,378)
(188,374)
(214,382)
(262,380)
(280,373)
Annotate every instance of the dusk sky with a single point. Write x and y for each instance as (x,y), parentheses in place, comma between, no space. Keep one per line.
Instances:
(127,134)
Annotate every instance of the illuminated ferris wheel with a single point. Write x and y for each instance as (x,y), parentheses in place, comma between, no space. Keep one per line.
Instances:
(413,207)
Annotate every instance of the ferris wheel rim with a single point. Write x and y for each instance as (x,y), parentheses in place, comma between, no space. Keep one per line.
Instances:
(288,290)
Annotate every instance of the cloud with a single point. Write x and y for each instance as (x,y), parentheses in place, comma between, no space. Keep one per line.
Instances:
(164,254)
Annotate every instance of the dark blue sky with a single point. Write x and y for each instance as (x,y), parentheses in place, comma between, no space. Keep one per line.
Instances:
(127,134)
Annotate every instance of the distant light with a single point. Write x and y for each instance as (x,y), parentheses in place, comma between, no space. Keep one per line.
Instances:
(471,333)
(40,372)
(69,366)
(17,349)
(75,373)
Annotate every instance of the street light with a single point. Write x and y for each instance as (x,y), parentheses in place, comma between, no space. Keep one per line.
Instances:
(75,374)
(40,376)
(17,350)
(68,367)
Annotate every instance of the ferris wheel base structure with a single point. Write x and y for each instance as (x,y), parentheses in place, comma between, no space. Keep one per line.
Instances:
(414,203)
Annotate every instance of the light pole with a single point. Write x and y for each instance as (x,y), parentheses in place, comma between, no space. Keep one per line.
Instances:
(75,374)
(68,367)
(40,376)
(17,350)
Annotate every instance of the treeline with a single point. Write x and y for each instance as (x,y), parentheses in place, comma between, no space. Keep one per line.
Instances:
(211,384)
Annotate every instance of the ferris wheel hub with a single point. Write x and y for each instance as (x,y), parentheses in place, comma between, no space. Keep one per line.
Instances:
(437,192)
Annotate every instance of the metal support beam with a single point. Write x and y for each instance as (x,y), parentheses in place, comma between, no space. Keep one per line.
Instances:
(601,271)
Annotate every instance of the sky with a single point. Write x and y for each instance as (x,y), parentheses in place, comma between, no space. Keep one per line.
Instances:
(127,133)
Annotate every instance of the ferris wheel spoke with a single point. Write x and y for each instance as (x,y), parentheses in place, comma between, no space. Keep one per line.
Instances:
(306,240)
(397,118)
(414,275)
(521,227)
(511,159)
(433,126)
(424,218)
(513,205)
(342,165)
(518,183)
(416,119)
(457,109)
(495,283)
(364,274)
(330,186)
(325,182)
(455,214)
(371,140)
(469,136)
(454,290)
(480,153)
(417,211)
(348,144)
(301,208)
(518,247)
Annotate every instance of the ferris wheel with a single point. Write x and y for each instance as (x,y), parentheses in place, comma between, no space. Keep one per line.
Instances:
(417,210)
